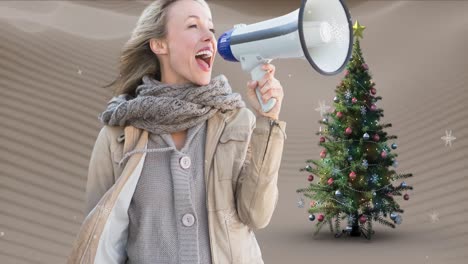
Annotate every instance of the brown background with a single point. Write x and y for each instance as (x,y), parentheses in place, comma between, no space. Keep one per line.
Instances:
(55,55)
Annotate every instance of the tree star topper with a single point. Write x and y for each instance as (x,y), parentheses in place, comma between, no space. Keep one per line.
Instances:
(358,29)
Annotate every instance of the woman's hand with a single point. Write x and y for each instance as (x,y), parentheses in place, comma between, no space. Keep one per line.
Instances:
(269,87)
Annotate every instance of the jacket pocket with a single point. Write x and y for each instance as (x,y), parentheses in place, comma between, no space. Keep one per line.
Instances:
(231,151)
(243,245)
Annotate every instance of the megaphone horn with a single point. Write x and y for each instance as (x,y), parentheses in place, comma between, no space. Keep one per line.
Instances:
(320,31)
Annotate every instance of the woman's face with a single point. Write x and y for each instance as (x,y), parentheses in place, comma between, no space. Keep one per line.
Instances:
(191,44)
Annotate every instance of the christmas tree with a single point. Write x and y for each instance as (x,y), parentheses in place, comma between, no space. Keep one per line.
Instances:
(356,173)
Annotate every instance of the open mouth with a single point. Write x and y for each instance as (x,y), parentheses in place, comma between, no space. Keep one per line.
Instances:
(204,59)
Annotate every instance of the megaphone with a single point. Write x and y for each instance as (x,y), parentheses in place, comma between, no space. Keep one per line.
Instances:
(320,31)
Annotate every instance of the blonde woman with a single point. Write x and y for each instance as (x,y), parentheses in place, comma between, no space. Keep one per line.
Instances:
(182,171)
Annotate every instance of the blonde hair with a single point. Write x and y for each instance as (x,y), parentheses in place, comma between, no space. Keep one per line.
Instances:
(137,59)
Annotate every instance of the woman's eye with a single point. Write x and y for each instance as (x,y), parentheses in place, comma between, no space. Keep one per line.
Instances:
(213,30)
(193,26)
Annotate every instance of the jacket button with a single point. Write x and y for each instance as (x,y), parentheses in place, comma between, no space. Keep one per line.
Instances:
(185,162)
(188,219)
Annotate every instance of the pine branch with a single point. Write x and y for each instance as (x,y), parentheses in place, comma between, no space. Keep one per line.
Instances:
(337,223)
(331,225)
(369,229)
(385,222)
(402,176)
(319,226)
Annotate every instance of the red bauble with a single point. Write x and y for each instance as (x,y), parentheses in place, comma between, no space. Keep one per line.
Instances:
(362,219)
(323,154)
(310,178)
(406,197)
(322,139)
(373,91)
(354,100)
(376,137)
(383,154)
(312,203)
(348,131)
(352,175)
(365,66)
(320,217)
(339,115)
(330,181)
(373,107)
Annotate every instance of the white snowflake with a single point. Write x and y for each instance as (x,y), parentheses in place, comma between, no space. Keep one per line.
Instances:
(448,138)
(348,94)
(335,171)
(434,217)
(374,178)
(323,108)
(300,203)
(365,163)
(363,110)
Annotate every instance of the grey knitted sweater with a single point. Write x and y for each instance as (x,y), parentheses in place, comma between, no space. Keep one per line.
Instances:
(168,217)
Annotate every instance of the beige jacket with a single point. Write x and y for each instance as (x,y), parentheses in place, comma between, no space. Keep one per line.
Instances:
(243,155)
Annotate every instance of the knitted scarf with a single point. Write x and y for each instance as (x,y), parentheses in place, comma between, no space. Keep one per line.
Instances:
(163,108)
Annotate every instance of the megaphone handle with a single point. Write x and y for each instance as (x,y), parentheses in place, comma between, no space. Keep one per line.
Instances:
(257,74)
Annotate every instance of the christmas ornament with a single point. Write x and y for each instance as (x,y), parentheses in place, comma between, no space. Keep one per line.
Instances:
(374,178)
(322,139)
(323,154)
(338,194)
(312,203)
(363,111)
(365,136)
(348,131)
(398,220)
(403,185)
(320,217)
(365,67)
(350,158)
(325,120)
(376,137)
(395,164)
(308,167)
(406,197)
(352,175)
(339,115)
(365,164)
(358,29)
(394,146)
(373,91)
(348,94)
(373,107)
(330,181)
(362,219)
(393,216)
(310,178)
(335,99)
(311,217)
(383,154)
(354,100)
